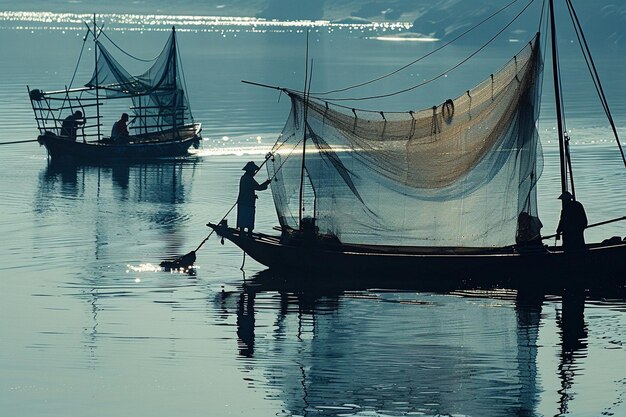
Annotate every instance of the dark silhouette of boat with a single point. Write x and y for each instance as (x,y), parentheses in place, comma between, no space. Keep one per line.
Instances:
(160,120)
(599,266)
(448,192)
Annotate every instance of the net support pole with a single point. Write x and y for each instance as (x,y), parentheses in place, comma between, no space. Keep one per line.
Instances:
(304,127)
(557,96)
(174,60)
(95,51)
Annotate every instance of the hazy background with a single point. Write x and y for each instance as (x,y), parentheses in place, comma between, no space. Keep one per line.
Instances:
(603,19)
(90,326)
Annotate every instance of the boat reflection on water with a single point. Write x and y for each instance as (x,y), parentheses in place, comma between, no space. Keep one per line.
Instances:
(92,218)
(157,181)
(573,332)
(118,203)
(347,351)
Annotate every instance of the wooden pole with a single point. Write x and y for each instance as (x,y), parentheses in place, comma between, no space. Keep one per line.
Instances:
(95,38)
(557,96)
(304,127)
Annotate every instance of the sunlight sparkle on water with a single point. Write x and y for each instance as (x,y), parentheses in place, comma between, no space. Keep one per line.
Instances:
(52,20)
(147,267)
(405,39)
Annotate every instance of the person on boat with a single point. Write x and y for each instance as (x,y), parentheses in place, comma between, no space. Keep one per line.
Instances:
(572,223)
(70,124)
(247,197)
(119,132)
(528,230)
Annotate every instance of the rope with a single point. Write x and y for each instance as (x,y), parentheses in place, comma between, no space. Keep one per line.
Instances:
(543,8)
(271,179)
(79,58)
(18,141)
(591,225)
(243,263)
(182,73)
(126,53)
(443,73)
(354,110)
(420,58)
(568,160)
(594,73)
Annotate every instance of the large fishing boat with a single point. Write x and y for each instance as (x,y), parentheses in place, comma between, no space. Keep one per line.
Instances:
(449,192)
(75,122)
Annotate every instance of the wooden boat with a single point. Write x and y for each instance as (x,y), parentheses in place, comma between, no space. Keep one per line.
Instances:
(447,193)
(161,122)
(326,259)
(141,147)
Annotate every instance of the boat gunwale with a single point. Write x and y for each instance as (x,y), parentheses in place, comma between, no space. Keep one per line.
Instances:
(49,135)
(406,251)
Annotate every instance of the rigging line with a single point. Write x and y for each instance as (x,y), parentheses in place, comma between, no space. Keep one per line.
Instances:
(304,116)
(602,223)
(126,53)
(79,58)
(271,179)
(545,38)
(443,73)
(182,72)
(18,141)
(292,92)
(594,74)
(332,101)
(568,155)
(543,8)
(593,78)
(582,48)
(306,75)
(276,149)
(422,57)
(100,31)
(235,204)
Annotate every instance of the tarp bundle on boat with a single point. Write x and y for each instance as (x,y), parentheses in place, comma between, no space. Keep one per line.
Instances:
(458,174)
(158,94)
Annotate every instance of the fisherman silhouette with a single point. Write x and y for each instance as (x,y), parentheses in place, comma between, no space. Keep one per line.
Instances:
(572,223)
(70,124)
(119,132)
(246,208)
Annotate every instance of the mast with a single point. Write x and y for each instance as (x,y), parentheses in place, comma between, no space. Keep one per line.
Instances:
(95,50)
(174,52)
(557,96)
(304,127)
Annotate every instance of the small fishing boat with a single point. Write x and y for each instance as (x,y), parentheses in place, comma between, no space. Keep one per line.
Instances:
(448,192)
(158,121)
(601,265)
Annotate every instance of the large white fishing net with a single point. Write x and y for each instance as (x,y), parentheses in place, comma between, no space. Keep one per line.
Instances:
(459,174)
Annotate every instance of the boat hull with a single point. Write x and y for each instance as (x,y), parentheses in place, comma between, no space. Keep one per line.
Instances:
(545,267)
(62,148)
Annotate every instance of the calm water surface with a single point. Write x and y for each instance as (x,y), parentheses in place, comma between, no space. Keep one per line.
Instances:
(91,326)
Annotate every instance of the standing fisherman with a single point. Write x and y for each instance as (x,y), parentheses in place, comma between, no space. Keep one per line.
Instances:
(247,197)
(572,223)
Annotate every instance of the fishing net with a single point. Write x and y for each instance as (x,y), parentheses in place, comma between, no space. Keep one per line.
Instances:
(460,174)
(158,95)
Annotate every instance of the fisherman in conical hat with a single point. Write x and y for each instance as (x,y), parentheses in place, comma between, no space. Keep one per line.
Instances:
(572,223)
(247,197)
